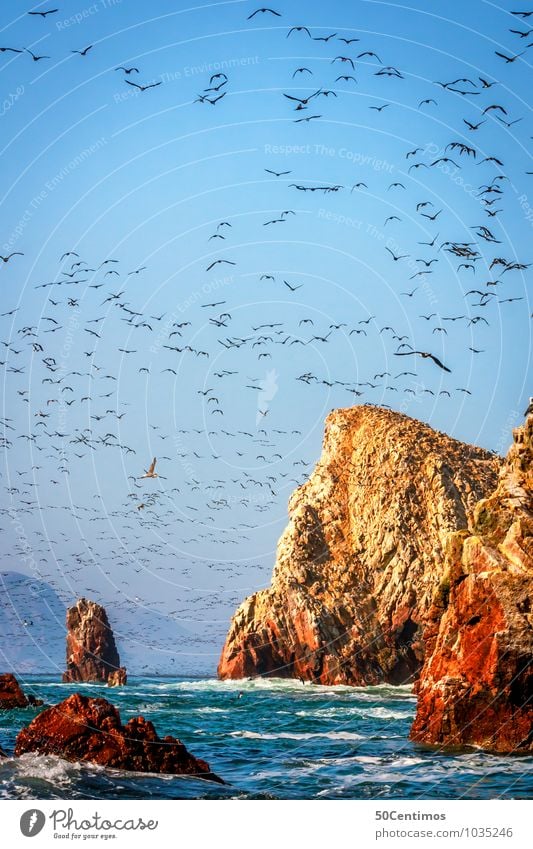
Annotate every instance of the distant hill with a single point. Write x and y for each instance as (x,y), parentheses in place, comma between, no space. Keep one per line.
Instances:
(32,625)
(33,634)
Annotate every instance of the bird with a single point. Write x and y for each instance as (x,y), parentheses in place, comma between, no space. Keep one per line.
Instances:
(370,53)
(298,29)
(344,59)
(8,256)
(84,51)
(151,473)
(425,356)
(473,126)
(127,70)
(263,11)
(34,57)
(509,59)
(218,262)
(393,255)
(144,87)
(44,14)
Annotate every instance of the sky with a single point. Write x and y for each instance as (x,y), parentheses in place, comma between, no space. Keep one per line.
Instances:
(146,189)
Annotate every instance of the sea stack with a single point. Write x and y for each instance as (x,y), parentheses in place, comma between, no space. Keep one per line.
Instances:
(363,554)
(92,654)
(476,686)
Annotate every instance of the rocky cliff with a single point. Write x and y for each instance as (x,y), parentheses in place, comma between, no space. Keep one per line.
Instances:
(363,554)
(476,687)
(91,650)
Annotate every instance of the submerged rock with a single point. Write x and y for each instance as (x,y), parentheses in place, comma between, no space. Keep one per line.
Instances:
(476,687)
(91,649)
(362,556)
(85,729)
(12,696)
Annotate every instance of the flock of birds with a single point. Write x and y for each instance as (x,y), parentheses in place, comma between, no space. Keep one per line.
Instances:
(219,484)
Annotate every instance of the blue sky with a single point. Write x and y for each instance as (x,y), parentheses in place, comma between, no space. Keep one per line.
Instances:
(93,165)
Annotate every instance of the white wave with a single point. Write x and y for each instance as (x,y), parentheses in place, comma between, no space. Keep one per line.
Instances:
(283,685)
(210,710)
(286,735)
(48,768)
(362,712)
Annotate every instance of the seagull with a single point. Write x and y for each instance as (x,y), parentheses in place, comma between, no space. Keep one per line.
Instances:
(8,256)
(425,355)
(44,14)
(151,473)
(258,11)
(145,87)
(34,57)
(84,51)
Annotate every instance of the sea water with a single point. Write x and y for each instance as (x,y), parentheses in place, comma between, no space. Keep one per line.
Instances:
(272,738)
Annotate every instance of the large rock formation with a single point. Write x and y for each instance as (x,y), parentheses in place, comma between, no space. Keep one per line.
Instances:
(362,556)
(476,687)
(12,695)
(91,650)
(85,729)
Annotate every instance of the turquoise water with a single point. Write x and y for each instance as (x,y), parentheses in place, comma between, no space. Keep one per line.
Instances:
(279,739)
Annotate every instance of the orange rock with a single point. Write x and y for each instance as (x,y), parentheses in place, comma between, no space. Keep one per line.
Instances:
(12,696)
(363,554)
(476,686)
(85,729)
(91,650)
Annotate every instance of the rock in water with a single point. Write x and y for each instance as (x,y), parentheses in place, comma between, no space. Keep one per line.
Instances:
(12,696)
(362,555)
(91,650)
(85,729)
(476,687)
(117,678)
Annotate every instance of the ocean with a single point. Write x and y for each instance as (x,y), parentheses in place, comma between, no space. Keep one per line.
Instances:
(268,739)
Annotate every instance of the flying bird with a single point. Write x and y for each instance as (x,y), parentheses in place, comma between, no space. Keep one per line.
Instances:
(218,262)
(425,356)
(298,29)
(34,57)
(84,51)
(151,473)
(44,14)
(263,11)
(145,87)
